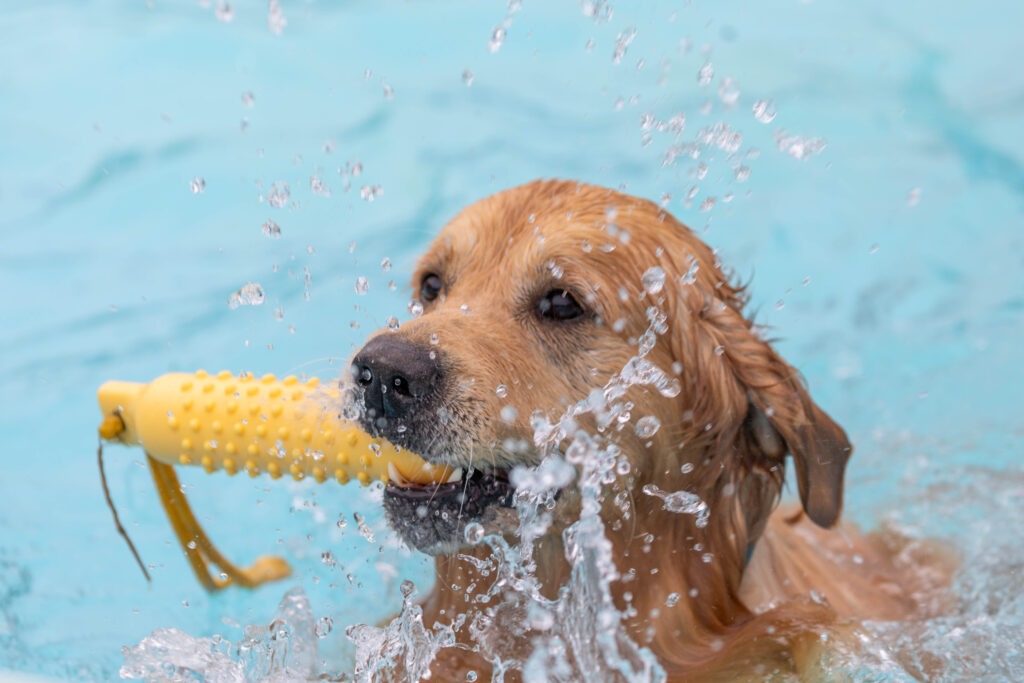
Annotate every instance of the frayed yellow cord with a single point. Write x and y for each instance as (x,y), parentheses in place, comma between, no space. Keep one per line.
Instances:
(199,549)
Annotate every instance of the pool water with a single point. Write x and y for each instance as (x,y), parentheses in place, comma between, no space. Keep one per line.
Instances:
(862,162)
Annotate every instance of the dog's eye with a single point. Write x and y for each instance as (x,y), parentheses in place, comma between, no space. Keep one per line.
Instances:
(558,304)
(430,287)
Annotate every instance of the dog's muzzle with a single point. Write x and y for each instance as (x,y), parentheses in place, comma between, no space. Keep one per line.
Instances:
(399,381)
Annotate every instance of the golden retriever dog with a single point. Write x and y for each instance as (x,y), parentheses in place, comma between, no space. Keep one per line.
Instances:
(533,301)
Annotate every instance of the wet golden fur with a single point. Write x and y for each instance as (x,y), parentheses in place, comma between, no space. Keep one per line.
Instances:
(740,411)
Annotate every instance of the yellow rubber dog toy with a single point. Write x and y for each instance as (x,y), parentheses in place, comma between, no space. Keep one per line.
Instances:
(258,425)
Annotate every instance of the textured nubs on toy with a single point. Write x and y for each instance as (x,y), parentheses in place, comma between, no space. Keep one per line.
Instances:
(256,425)
(243,423)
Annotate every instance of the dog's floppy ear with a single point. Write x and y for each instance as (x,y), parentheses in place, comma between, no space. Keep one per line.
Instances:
(782,417)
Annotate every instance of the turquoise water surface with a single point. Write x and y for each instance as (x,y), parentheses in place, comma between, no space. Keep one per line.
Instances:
(875,197)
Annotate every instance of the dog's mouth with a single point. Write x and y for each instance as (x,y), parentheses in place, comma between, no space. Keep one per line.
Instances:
(433,517)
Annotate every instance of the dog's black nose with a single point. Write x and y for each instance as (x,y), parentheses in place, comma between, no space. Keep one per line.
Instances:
(395,375)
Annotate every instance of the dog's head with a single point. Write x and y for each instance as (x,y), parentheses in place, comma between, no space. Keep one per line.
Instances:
(534,297)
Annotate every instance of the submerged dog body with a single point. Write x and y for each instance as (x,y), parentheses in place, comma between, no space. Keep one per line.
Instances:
(534,300)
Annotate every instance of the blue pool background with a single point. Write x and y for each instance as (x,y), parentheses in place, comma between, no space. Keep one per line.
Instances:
(890,264)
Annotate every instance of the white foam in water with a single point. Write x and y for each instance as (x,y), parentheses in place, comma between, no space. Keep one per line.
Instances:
(284,650)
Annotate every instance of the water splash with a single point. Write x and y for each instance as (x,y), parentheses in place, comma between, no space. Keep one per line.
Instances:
(405,639)
(580,634)
(284,650)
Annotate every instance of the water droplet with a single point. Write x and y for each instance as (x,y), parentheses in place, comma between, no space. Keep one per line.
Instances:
(654,279)
(681,502)
(276,20)
(873,249)
(197,185)
(672,600)
(914,196)
(362,285)
(742,173)
(316,184)
(474,533)
(622,43)
(224,11)
(370,192)
(797,146)
(324,625)
(648,426)
(764,111)
(497,38)
(248,99)
(690,276)
(327,558)
(707,204)
(385,264)
(464,308)
(471,676)
(271,229)
(279,194)
(706,74)
(364,529)
(415,308)
(467,77)
(508,414)
(250,294)
(501,391)
(729,91)
(389,92)
(392,323)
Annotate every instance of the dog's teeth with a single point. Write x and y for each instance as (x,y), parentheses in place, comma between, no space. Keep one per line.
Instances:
(395,477)
(455,476)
